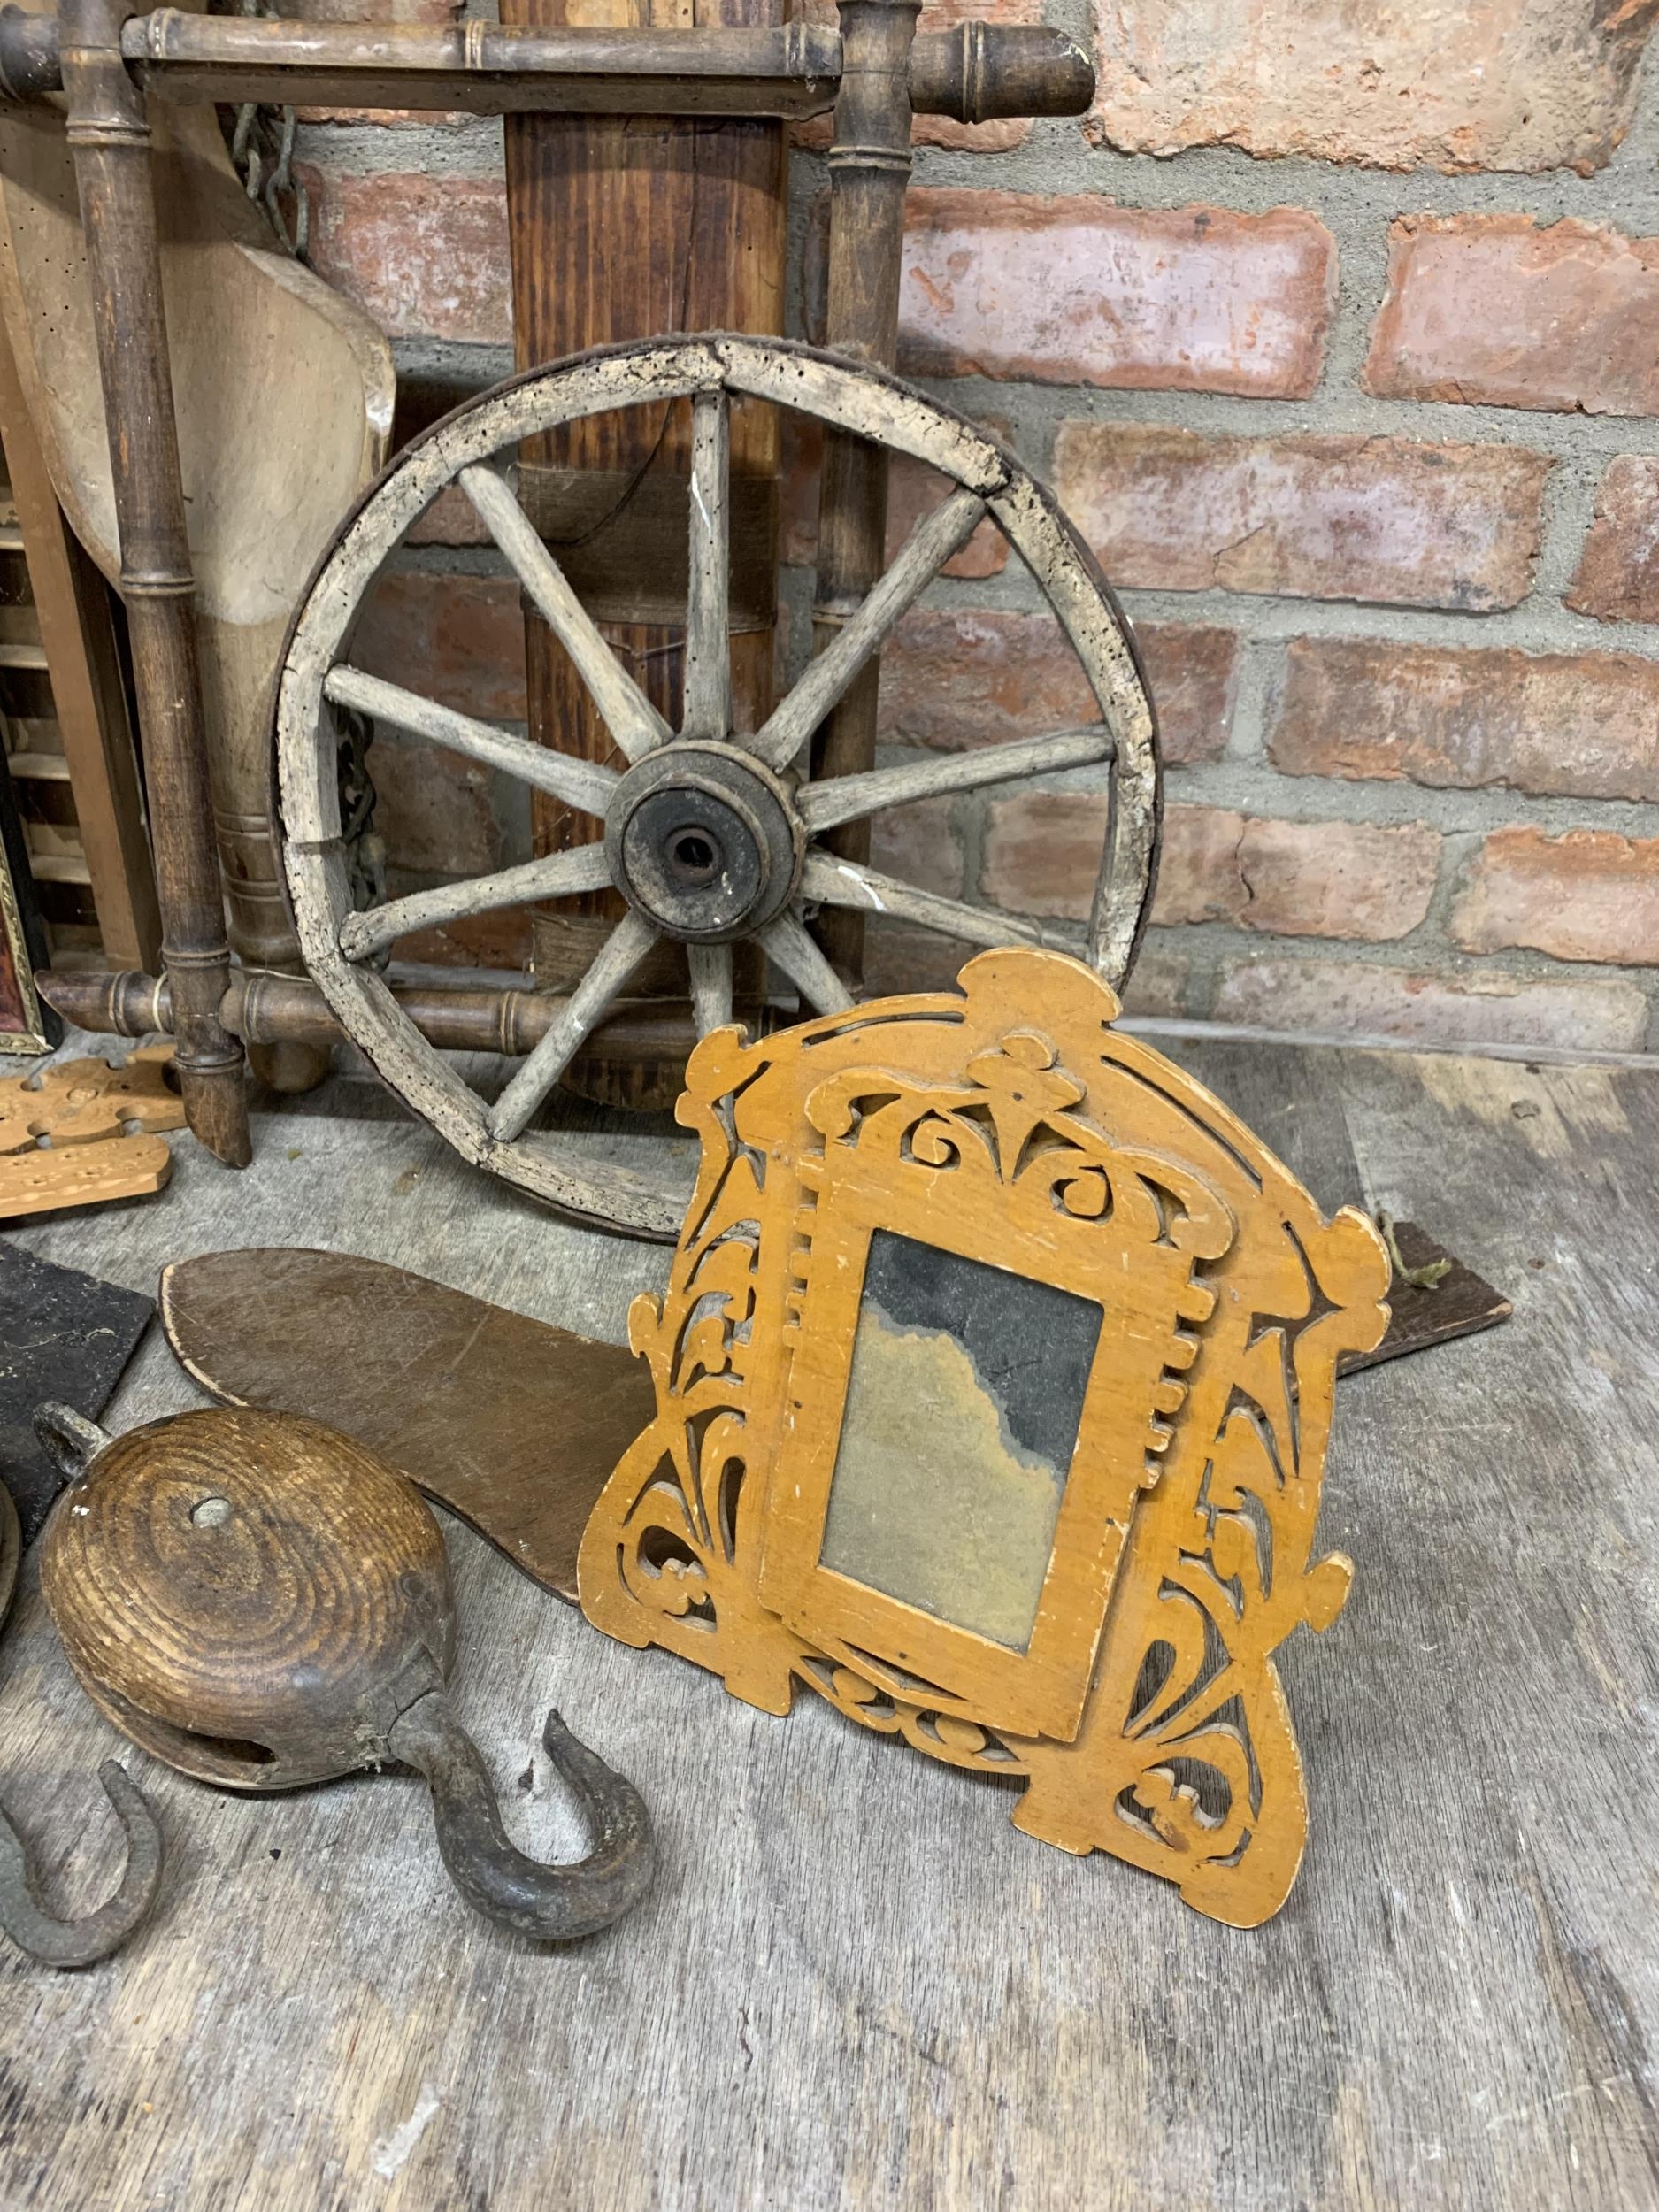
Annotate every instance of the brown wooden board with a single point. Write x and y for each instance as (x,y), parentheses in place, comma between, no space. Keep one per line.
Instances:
(511,1424)
(470,1422)
(1460,1303)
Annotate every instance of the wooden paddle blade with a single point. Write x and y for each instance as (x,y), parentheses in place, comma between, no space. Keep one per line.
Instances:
(511,1423)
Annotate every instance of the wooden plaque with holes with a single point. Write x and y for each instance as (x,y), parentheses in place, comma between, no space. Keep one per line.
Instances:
(993,1381)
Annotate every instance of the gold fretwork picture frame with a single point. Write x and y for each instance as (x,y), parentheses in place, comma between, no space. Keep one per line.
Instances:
(993,1381)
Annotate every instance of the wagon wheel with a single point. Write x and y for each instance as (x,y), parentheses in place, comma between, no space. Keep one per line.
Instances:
(710,832)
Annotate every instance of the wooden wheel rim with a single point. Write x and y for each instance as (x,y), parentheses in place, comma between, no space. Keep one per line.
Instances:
(709,371)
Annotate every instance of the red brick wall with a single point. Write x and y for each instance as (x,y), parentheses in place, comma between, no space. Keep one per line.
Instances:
(1337,330)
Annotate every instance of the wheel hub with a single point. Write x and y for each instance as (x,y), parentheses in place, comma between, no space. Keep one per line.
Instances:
(702,839)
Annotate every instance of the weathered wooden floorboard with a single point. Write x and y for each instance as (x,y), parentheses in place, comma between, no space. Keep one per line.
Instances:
(855,1983)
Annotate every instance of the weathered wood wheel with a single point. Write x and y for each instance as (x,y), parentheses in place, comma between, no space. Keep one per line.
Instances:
(710,832)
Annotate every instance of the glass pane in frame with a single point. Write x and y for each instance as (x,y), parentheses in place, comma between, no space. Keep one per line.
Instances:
(963,1407)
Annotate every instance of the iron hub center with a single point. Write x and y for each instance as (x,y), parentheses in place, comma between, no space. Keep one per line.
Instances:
(703,841)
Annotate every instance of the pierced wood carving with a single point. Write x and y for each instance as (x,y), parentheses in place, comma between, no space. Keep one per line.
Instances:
(993,1381)
(81,1131)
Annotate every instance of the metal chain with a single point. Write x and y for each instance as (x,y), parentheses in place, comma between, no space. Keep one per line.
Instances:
(262,148)
(366,847)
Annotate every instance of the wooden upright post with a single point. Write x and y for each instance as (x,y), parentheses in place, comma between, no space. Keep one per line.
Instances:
(870,170)
(110,135)
(623,227)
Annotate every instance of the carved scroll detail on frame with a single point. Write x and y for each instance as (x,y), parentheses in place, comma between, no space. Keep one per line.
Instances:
(1012,1124)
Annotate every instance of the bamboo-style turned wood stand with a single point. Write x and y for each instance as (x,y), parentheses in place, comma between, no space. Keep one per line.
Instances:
(874,73)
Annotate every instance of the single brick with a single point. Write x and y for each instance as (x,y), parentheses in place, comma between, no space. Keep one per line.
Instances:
(1338,879)
(432,809)
(1493,309)
(500,940)
(458,639)
(1309,517)
(1352,880)
(913,490)
(1201,876)
(1157,984)
(1042,853)
(1572,724)
(1077,291)
(901,958)
(1354,998)
(957,677)
(1192,670)
(1618,576)
(423,255)
(1512,84)
(451,519)
(916,844)
(1587,895)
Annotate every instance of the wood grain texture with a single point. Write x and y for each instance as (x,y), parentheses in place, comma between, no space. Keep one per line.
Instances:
(78,1133)
(42,1182)
(1013,1129)
(855,1984)
(250,1596)
(76,1102)
(623,227)
(512,1425)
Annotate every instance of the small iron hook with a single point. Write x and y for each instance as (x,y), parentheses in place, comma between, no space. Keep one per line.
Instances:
(68,1944)
(69,1440)
(555,1904)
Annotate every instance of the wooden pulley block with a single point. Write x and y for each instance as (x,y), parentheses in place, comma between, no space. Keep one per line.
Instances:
(262,1603)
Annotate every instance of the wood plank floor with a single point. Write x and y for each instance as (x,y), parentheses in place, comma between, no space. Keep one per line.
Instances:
(855,1983)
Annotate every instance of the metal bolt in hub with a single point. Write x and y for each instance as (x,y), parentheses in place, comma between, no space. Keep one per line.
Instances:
(702,839)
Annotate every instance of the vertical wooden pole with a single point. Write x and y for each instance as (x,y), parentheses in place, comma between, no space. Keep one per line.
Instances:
(870,170)
(623,227)
(110,136)
(78,632)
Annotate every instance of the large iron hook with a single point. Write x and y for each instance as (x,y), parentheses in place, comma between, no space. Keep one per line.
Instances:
(74,1943)
(555,1904)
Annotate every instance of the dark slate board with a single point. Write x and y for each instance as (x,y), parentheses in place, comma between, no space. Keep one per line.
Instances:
(62,1335)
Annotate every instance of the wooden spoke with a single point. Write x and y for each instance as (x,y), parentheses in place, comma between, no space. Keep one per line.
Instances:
(583,784)
(624,708)
(614,963)
(849,798)
(803,961)
(711,376)
(929,545)
(585,869)
(710,985)
(844,883)
(708,616)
